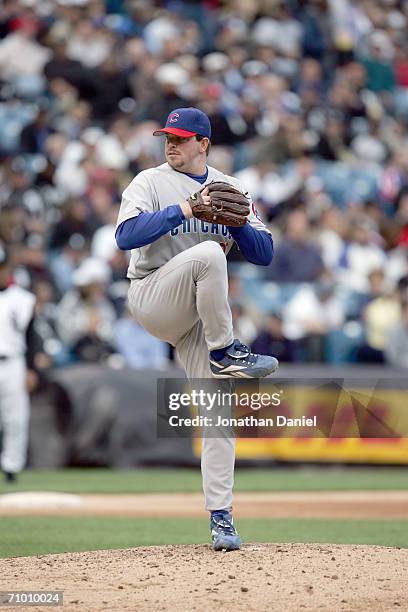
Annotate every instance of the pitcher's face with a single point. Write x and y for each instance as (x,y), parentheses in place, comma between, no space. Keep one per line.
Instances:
(184,154)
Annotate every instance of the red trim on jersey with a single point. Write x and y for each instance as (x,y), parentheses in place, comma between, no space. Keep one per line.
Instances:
(256,213)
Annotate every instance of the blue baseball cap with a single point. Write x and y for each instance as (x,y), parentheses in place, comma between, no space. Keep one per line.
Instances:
(186,122)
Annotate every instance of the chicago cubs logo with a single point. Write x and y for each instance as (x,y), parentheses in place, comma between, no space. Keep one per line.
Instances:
(173,117)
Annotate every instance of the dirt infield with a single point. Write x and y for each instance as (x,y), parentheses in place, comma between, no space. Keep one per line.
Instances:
(260,577)
(347,505)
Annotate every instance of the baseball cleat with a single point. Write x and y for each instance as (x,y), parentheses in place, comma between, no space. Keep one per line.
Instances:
(239,362)
(223,533)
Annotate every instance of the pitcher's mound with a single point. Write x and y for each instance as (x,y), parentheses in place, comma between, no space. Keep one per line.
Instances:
(259,577)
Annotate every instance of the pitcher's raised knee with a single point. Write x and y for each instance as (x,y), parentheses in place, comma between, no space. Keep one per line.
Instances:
(211,253)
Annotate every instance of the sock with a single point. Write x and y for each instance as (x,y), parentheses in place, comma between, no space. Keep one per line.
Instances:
(220,353)
(222,512)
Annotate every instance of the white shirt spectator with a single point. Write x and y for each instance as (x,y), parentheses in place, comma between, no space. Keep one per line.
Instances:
(104,243)
(89,46)
(70,176)
(349,21)
(305,313)
(362,259)
(157,32)
(21,56)
(331,247)
(75,318)
(79,316)
(396,266)
(284,36)
(272,188)
(368,148)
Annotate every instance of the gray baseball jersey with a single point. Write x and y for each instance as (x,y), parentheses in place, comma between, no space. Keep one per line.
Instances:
(179,293)
(155,189)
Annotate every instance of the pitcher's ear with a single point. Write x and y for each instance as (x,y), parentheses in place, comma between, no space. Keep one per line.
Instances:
(206,144)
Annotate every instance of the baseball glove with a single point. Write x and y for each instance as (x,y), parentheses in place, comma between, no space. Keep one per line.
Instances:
(228,206)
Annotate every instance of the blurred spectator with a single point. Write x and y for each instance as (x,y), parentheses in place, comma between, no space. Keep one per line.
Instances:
(33,136)
(45,323)
(333,144)
(66,260)
(18,191)
(76,219)
(397,265)
(139,349)
(396,346)
(377,289)
(331,237)
(170,80)
(279,29)
(368,146)
(110,87)
(316,36)
(244,326)
(309,316)
(395,176)
(402,217)
(265,184)
(401,76)
(7,12)
(272,341)
(160,30)
(296,258)
(103,242)
(75,120)
(20,53)
(292,140)
(85,317)
(361,255)
(310,86)
(89,45)
(380,315)
(60,66)
(378,63)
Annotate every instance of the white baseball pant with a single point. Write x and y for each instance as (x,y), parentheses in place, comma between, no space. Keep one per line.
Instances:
(14,414)
(185,303)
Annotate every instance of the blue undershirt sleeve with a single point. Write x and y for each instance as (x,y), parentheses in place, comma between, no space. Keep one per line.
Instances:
(147,227)
(255,245)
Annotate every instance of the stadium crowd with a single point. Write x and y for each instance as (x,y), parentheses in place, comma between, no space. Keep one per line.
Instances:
(309,107)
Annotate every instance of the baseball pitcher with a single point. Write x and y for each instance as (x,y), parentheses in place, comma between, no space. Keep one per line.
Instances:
(180,220)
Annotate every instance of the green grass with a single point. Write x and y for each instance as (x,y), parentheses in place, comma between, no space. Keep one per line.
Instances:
(20,536)
(189,480)
(40,535)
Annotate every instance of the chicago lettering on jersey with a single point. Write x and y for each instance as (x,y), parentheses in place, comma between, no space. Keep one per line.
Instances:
(193,226)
